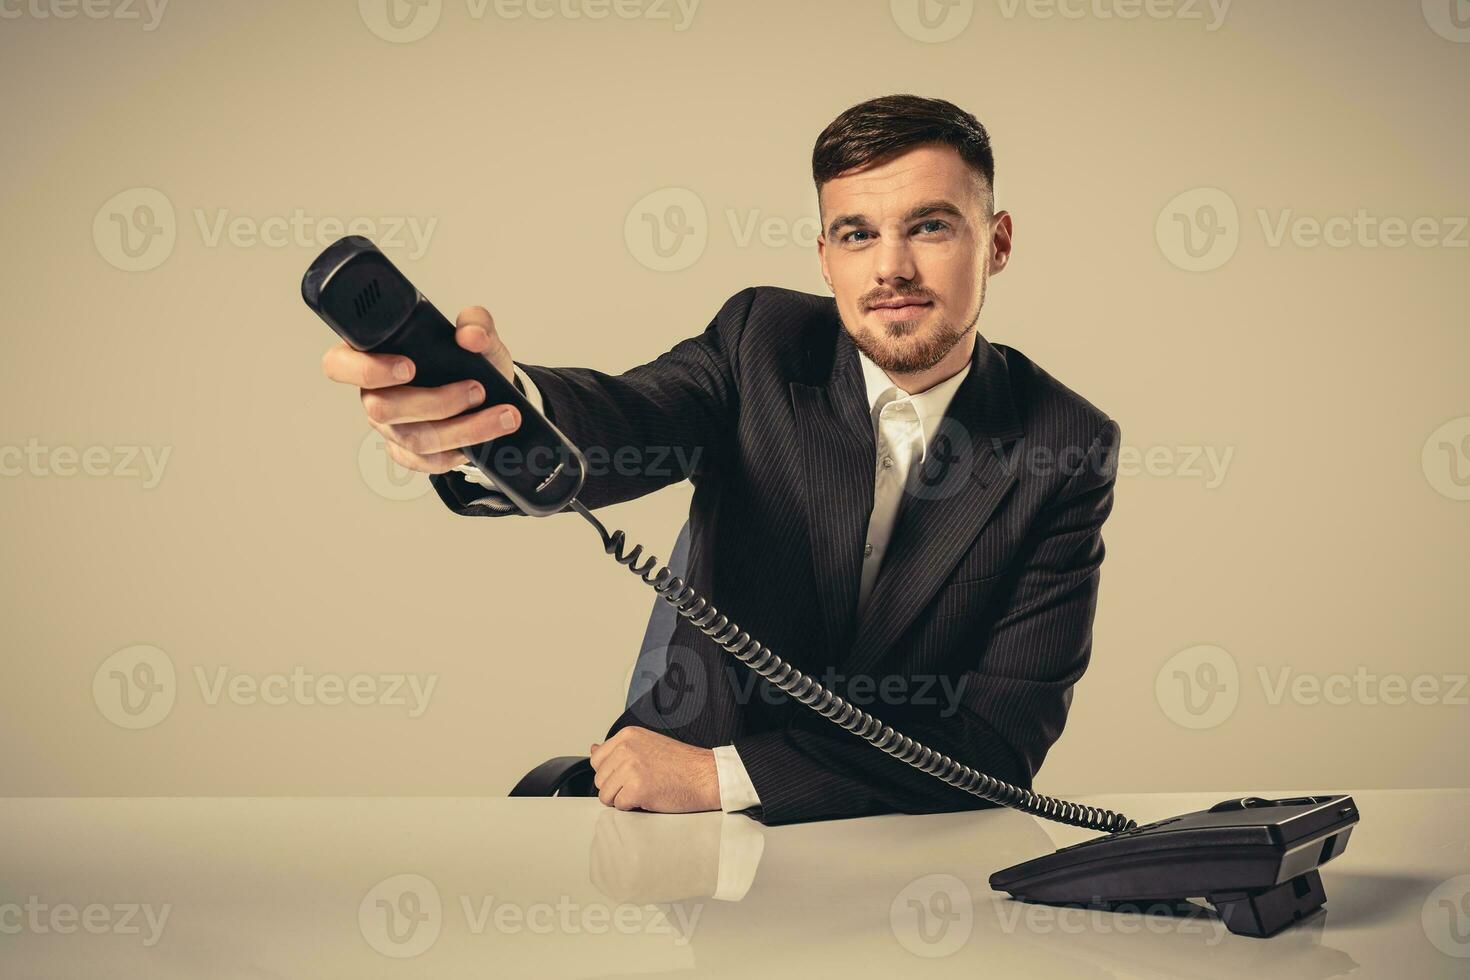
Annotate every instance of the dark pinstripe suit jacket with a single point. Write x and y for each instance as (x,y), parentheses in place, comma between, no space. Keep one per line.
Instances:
(981,619)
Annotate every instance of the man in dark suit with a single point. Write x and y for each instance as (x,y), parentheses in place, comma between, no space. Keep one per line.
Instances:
(900,509)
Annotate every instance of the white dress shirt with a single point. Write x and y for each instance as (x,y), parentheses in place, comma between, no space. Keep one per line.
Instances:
(903,427)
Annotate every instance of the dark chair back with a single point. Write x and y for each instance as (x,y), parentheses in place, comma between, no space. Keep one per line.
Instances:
(653,656)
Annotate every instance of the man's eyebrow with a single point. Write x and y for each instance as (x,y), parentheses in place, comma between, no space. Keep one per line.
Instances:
(917,211)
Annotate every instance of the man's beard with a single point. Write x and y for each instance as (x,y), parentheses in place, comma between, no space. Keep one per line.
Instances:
(921,355)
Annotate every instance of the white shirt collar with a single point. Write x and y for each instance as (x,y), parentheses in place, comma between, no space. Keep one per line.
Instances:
(930,405)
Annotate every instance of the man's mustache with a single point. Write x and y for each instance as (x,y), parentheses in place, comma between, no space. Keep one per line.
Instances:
(879,297)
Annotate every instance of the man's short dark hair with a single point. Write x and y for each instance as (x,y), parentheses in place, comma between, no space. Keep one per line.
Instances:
(873,131)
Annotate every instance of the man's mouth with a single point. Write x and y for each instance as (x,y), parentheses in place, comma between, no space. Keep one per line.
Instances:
(900,308)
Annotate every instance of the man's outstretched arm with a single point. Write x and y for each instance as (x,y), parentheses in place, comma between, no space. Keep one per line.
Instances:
(653,425)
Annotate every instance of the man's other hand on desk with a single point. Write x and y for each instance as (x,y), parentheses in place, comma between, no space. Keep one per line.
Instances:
(639,769)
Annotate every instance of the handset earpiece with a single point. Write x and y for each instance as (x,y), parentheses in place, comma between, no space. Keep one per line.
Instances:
(373,307)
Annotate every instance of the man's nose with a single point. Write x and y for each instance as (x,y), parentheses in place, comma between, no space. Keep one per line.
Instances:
(895,263)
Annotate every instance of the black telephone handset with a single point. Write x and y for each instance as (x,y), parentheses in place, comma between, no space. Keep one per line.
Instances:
(371,305)
(1254,859)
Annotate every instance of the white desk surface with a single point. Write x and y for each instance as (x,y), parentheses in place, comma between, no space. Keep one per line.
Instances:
(495,887)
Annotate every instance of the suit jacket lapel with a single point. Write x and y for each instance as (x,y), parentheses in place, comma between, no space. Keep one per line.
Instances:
(950,497)
(835,431)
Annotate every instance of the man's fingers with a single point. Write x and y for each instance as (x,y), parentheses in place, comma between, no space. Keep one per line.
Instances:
(434,446)
(609,784)
(476,315)
(475,331)
(409,404)
(622,789)
(423,427)
(474,338)
(605,755)
(428,438)
(354,367)
(601,750)
(433,463)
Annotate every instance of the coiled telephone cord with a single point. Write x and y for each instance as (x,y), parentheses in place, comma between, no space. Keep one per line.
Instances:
(693,607)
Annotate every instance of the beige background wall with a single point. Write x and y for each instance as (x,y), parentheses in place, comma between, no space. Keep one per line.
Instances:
(1326,537)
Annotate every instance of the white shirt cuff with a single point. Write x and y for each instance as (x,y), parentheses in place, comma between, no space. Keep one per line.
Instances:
(533,395)
(737,792)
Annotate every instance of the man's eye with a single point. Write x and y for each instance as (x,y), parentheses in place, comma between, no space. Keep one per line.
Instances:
(852,236)
(931,226)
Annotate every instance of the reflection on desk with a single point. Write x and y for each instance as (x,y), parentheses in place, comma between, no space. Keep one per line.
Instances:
(568,888)
(713,855)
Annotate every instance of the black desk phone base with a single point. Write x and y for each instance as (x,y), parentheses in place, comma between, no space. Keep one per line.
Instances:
(1255,860)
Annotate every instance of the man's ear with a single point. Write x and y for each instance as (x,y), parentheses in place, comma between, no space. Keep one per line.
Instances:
(1000,241)
(822,259)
